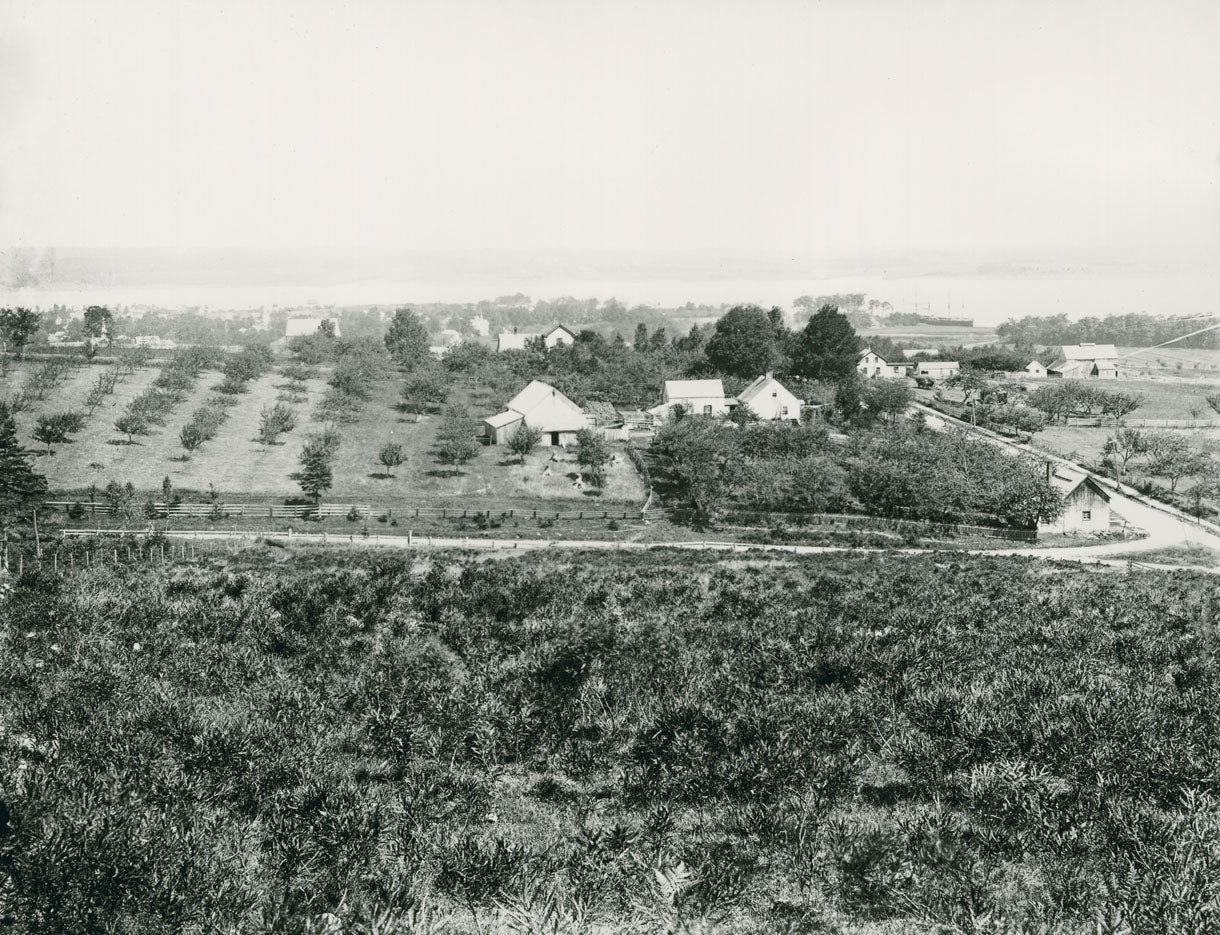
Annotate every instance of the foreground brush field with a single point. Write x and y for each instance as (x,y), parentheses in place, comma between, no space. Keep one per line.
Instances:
(652,743)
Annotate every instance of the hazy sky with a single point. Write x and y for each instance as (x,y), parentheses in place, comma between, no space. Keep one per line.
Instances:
(976,126)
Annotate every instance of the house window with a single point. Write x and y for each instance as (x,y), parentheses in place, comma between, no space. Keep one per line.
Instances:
(1086,515)
(784,411)
(707,410)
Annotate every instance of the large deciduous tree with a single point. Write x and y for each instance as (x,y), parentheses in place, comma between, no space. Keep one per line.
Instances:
(17,326)
(743,343)
(827,348)
(407,339)
(97,323)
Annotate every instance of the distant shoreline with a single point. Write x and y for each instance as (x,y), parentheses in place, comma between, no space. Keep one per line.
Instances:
(989,301)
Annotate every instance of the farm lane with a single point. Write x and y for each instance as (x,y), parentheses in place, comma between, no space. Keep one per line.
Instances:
(1165,525)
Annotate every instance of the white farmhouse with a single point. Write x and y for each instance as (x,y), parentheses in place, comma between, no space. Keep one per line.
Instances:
(699,397)
(872,364)
(541,407)
(1035,368)
(769,399)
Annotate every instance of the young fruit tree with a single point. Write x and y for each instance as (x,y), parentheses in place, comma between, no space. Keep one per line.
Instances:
(49,431)
(275,421)
(524,440)
(391,456)
(131,425)
(592,455)
(456,441)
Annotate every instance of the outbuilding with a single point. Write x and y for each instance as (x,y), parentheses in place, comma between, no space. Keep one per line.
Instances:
(1086,505)
(1035,368)
(1086,360)
(937,369)
(541,407)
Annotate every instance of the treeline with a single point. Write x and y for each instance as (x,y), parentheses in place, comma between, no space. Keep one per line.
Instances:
(896,470)
(1131,330)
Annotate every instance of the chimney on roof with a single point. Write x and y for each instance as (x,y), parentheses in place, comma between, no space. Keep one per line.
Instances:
(768,374)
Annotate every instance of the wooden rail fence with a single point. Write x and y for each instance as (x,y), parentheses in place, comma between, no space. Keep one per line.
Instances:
(363,510)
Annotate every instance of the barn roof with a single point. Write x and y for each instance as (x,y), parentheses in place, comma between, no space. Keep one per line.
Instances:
(501,419)
(1089,352)
(534,395)
(693,389)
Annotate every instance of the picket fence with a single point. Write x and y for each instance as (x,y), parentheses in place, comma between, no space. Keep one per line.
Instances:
(1111,422)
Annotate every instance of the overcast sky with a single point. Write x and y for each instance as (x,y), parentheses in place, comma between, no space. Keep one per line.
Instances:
(971,127)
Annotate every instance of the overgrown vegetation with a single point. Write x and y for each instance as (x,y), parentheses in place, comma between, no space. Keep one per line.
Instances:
(649,742)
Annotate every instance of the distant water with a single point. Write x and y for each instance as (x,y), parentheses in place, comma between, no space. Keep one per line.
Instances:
(988,299)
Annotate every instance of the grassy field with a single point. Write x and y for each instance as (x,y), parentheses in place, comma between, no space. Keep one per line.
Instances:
(934,335)
(1163,399)
(294,741)
(1171,362)
(240,467)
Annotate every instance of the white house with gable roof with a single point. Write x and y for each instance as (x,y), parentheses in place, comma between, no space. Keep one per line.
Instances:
(770,400)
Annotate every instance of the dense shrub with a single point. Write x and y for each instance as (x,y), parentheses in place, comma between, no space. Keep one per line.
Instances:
(657,737)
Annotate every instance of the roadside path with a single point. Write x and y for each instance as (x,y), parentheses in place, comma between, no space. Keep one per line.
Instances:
(1082,555)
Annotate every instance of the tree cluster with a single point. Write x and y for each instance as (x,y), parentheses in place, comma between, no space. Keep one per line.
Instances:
(893,470)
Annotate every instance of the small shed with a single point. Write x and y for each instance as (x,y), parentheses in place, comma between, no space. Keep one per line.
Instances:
(937,369)
(1035,368)
(1086,505)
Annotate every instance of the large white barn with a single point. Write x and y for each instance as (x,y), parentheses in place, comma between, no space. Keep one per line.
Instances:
(541,407)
